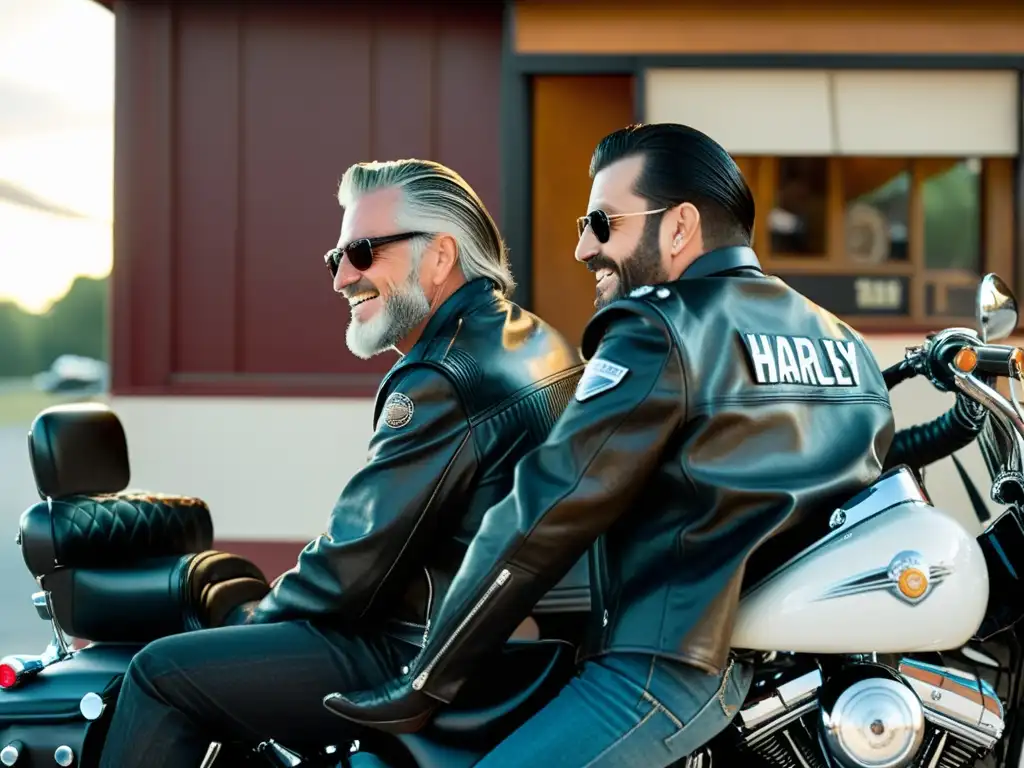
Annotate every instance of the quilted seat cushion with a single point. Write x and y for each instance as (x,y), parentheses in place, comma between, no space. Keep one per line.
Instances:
(112,531)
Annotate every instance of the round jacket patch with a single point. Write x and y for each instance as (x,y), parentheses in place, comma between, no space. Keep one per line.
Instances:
(398,410)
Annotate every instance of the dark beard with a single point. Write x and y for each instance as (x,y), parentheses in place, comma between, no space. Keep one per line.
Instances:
(641,267)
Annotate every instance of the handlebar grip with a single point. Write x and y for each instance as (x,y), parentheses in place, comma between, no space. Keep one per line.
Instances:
(925,444)
(998,360)
(898,373)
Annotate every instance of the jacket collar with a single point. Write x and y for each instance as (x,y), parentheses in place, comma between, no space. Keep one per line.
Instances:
(473,294)
(722,260)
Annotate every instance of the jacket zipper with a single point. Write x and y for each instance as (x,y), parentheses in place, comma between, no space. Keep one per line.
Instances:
(430,604)
(598,577)
(503,578)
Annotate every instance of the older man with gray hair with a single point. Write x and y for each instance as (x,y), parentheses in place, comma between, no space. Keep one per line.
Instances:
(479,383)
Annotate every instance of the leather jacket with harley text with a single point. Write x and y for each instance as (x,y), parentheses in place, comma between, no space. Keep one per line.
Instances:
(716,412)
(483,385)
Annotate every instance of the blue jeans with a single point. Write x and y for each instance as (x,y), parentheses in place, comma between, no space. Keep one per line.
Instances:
(626,711)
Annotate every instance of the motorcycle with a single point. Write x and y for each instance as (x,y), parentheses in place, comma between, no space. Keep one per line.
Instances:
(887,641)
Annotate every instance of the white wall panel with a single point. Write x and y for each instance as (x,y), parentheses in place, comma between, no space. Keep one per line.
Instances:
(849,112)
(946,113)
(749,112)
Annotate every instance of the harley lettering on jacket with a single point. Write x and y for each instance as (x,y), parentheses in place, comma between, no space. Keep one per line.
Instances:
(798,360)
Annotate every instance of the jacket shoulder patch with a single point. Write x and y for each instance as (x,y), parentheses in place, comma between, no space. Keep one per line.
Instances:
(599,376)
(776,359)
(398,410)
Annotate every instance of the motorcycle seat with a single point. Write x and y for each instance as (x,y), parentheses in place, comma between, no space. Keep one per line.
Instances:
(528,669)
(112,530)
(511,689)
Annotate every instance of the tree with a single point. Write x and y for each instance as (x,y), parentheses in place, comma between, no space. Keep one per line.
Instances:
(77,324)
(20,353)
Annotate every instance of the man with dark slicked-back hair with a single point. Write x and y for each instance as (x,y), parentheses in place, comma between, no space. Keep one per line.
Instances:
(718,411)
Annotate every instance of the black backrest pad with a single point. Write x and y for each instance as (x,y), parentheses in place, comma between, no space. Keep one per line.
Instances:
(78,449)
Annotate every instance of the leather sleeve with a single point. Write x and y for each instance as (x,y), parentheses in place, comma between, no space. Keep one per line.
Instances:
(389,510)
(567,493)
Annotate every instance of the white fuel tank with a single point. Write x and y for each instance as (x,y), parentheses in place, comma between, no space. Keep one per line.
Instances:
(894,575)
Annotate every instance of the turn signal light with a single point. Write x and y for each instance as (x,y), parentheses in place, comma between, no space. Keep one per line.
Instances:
(8,676)
(14,669)
(966,359)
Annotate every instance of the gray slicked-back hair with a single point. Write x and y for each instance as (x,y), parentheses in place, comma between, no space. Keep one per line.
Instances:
(437,199)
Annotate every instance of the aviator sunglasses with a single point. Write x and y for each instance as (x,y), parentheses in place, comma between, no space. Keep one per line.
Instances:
(360,252)
(601,222)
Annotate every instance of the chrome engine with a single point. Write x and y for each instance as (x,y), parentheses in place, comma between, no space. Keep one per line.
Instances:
(867,715)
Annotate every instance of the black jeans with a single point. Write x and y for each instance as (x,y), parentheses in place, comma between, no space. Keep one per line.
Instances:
(244,685)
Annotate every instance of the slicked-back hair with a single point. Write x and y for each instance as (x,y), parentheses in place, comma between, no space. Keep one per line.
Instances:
(683,165)
(437,199)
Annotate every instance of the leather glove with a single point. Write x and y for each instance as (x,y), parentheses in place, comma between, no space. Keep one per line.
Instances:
(220,602)
(394,707)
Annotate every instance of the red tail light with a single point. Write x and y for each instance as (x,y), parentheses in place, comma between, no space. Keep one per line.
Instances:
(8,676)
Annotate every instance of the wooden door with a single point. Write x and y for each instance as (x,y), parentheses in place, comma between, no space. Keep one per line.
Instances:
(570,115)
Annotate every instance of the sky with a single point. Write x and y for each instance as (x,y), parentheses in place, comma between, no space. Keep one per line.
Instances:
(56,147)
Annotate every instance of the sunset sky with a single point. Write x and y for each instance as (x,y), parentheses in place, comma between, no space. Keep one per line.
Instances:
(56,146)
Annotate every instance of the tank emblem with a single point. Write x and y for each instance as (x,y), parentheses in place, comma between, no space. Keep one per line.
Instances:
(910,574)
(912,583)
(908,577)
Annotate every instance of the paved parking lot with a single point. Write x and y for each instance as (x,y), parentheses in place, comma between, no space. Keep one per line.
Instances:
(21,631)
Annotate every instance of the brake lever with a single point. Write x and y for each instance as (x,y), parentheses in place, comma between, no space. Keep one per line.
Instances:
(1014,399)
(1009,414)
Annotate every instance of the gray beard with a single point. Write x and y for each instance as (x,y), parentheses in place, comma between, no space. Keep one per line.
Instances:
(402,312)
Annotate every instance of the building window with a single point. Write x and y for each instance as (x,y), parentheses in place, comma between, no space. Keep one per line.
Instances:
(884,241)
(798,219)
(876,209)
(951,197)
(951,194)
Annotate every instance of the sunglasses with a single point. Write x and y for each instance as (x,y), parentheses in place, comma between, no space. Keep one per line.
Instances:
(600,223)
(360,252)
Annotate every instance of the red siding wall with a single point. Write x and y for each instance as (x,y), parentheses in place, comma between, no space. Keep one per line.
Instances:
(233,127)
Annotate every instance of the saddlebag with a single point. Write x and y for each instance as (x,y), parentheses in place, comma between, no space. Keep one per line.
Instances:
(47,713)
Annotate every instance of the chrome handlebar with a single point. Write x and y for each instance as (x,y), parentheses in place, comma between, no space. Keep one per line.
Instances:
(957,358)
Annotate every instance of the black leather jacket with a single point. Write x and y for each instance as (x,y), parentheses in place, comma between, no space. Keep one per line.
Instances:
(715,411)
(482,386)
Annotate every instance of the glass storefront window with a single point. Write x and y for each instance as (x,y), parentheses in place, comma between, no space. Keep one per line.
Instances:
(885,240)
(876,209)
(798,220)
(951,194)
